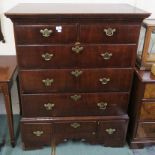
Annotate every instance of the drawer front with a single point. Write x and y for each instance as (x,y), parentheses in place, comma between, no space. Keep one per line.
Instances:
(83,80)
(36,134)
(147,111)
(149,91)
(45,34)
(109,33)
(81,104)
(146,130)
(112,132)
(69,56)
(79,130)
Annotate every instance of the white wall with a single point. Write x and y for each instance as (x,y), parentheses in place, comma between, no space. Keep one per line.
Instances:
(9,48)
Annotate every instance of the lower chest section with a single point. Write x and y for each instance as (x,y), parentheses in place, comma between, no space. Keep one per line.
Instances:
(109,131)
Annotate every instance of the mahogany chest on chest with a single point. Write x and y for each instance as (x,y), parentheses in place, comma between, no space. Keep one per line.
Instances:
(76,67)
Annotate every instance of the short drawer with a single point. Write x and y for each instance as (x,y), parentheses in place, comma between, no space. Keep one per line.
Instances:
(149,92)
(76,55)
(112,132)
(72,104)
(109,33)
(77,80)
(36,134)
(146,130)
(45,34)
(75,130)
(147,111)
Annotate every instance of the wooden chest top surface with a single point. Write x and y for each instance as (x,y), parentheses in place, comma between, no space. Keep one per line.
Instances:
(109,10)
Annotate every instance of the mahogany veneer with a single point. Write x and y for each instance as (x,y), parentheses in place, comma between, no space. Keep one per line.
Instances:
(76,67)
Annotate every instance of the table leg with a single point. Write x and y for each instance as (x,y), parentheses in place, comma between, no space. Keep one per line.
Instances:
(19,97)
(53,149)
(7,97)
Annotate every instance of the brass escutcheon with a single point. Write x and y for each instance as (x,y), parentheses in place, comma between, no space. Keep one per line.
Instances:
(75,97)
(102,105)
(38,133)
(109,31)
(110,131)
(106,55)
(104,80)
(49,106)
(76,73)
(75,125)
(48,82)
(46,32)
(47,56)
(77,48)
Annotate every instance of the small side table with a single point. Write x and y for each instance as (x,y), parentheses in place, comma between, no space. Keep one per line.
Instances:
(8,73)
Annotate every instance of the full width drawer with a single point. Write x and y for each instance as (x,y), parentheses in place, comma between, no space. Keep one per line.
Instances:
(147,111)
(36,134)
(109,33)
(78,55)
(45,34)
(82,80)
(72,104)
(146,130)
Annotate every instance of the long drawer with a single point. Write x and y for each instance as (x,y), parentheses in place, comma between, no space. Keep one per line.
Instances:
(70,104)
(46,33)
(78,55)
(80,80)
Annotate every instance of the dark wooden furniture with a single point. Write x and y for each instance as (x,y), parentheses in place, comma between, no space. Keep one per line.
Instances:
(76,67)
(142,110)
(8,73)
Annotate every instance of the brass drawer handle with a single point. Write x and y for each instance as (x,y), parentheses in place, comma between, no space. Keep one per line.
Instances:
(106,55)
(77,48)
(38,133)
(75,97)
(75,125)
(48,82)
(76,73)
(46,32)
(49,106)
(110,131)
(102,105)
(109,31)
(104,80)
(47,56)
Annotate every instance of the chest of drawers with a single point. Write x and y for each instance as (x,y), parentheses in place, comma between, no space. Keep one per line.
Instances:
(142,110)
(76,69)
